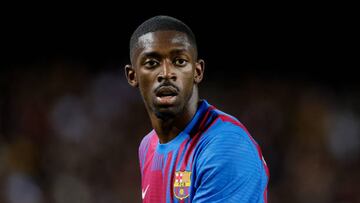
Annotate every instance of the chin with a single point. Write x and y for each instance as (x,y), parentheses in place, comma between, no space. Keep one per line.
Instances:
(165,115)
(167,112)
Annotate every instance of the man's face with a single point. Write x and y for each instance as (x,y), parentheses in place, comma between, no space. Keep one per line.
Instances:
(165,70)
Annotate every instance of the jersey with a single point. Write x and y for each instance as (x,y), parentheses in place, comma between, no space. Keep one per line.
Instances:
(214,159)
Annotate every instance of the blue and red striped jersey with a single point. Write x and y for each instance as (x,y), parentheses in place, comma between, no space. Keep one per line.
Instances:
(214,159)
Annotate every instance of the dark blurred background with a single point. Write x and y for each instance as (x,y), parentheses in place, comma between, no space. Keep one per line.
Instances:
(70,124)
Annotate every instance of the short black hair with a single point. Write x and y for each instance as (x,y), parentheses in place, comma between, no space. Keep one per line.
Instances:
(161,22)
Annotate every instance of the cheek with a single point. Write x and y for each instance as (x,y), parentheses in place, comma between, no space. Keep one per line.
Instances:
(143,77)
(188,81)
(145,83)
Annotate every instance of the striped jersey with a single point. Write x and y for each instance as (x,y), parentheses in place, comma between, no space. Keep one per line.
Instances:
(214,159)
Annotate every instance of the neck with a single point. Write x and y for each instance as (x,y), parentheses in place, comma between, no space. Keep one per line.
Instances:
(168,129)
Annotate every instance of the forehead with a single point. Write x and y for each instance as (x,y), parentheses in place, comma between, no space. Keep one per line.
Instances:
(162,42)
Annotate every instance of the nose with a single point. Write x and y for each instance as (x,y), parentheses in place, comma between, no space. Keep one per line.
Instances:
(167,72)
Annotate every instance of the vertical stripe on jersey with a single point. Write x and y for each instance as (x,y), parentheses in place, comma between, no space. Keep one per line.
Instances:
(195,139)
(166,178)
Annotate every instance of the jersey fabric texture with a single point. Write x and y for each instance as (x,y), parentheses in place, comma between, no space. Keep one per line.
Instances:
(214,159)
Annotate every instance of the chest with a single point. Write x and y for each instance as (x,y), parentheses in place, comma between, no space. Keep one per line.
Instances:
(168,176)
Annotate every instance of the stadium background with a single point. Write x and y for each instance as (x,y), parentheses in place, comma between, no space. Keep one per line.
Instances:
(70,124)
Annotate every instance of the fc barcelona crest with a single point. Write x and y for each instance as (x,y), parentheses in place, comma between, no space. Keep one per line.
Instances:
(182,184)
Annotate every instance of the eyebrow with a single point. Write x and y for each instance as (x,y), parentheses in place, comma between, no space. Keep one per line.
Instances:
(154,54)
(150,54)
(179,51)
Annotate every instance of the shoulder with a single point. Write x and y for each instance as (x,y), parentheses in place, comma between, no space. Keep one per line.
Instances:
(227,131)
(148,140)
(228,165)
(147,144)
(228,142)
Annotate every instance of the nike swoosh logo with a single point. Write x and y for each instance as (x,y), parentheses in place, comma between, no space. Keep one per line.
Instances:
(143,192)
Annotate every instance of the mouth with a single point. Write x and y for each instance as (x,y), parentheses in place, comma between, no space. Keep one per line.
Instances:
(165,95)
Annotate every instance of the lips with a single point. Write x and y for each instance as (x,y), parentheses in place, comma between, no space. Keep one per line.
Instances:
(166,91)
(166,95)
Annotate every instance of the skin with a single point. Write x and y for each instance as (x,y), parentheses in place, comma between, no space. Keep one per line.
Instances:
(165,68)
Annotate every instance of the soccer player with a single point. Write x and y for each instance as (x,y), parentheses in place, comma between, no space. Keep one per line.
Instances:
(195,153)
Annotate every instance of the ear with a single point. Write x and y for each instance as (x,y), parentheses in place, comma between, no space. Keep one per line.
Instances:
(199,71)
(131,75)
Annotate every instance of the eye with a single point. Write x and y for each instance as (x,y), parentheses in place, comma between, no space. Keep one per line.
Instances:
(180,62)
(151,63)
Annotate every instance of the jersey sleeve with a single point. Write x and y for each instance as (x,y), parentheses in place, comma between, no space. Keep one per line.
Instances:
(229,169)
